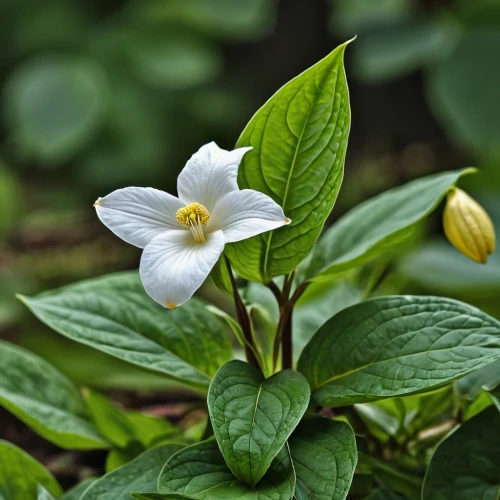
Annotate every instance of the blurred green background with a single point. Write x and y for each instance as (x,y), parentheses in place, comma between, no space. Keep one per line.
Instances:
(103,94)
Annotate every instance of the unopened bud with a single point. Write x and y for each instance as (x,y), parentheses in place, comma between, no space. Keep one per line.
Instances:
(468,226)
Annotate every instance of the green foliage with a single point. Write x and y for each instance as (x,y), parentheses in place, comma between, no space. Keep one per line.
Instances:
(200,472)
(113,314)
(302,171)
(55,105)
(403,47)
(77,491)
(382,368)
(453,90)
(324,457)
(43,494)
(439,267)
(252,417)
(43,398)
(174,61)
(373,226)
(395,346)
(20,475)
(139,475)
(465,465)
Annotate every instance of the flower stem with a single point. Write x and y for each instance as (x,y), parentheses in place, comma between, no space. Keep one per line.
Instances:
(284,338)
(243,319)
(287,343)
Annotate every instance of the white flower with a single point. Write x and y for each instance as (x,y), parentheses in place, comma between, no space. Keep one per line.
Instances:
(184,237)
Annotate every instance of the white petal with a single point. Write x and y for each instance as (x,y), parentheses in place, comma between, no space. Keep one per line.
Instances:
(137,214)
(173,266)
(246,213)
(209,175)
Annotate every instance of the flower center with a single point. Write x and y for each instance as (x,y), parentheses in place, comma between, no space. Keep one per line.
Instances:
(194,216)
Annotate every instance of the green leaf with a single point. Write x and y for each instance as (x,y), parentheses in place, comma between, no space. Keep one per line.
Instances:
(487,378)
(119,457)
(252,417)
(21,474)
(55,105)
(392,476)
(324,457)
(160,496)
(149,429)
(199,471)
(220,276)
(395,346)
(76,492)
(43,494)
(110,421)
(139,475)
(113,314)
(465,465)
(299,140)
(45,400)
(368,229)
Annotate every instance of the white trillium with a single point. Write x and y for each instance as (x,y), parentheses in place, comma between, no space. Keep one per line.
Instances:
(184,237)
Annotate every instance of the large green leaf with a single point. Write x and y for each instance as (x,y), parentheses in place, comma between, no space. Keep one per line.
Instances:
(21,474)
(466,465)
(324,457)
(139,475)
(395,346)
(199,471)
(252,417)
(371,227)
(299,140)
(44,399)
(113,314)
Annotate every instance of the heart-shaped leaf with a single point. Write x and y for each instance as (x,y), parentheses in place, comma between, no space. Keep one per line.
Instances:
(139,475)
(324,457)
(252,417)
(45,399)
(199,471)
(395,346)
(466,465)
(113,314)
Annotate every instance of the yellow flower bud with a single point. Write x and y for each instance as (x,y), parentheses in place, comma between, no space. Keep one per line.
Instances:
(468,226)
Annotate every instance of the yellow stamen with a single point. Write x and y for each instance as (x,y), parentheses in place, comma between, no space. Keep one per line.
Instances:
(194,216)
